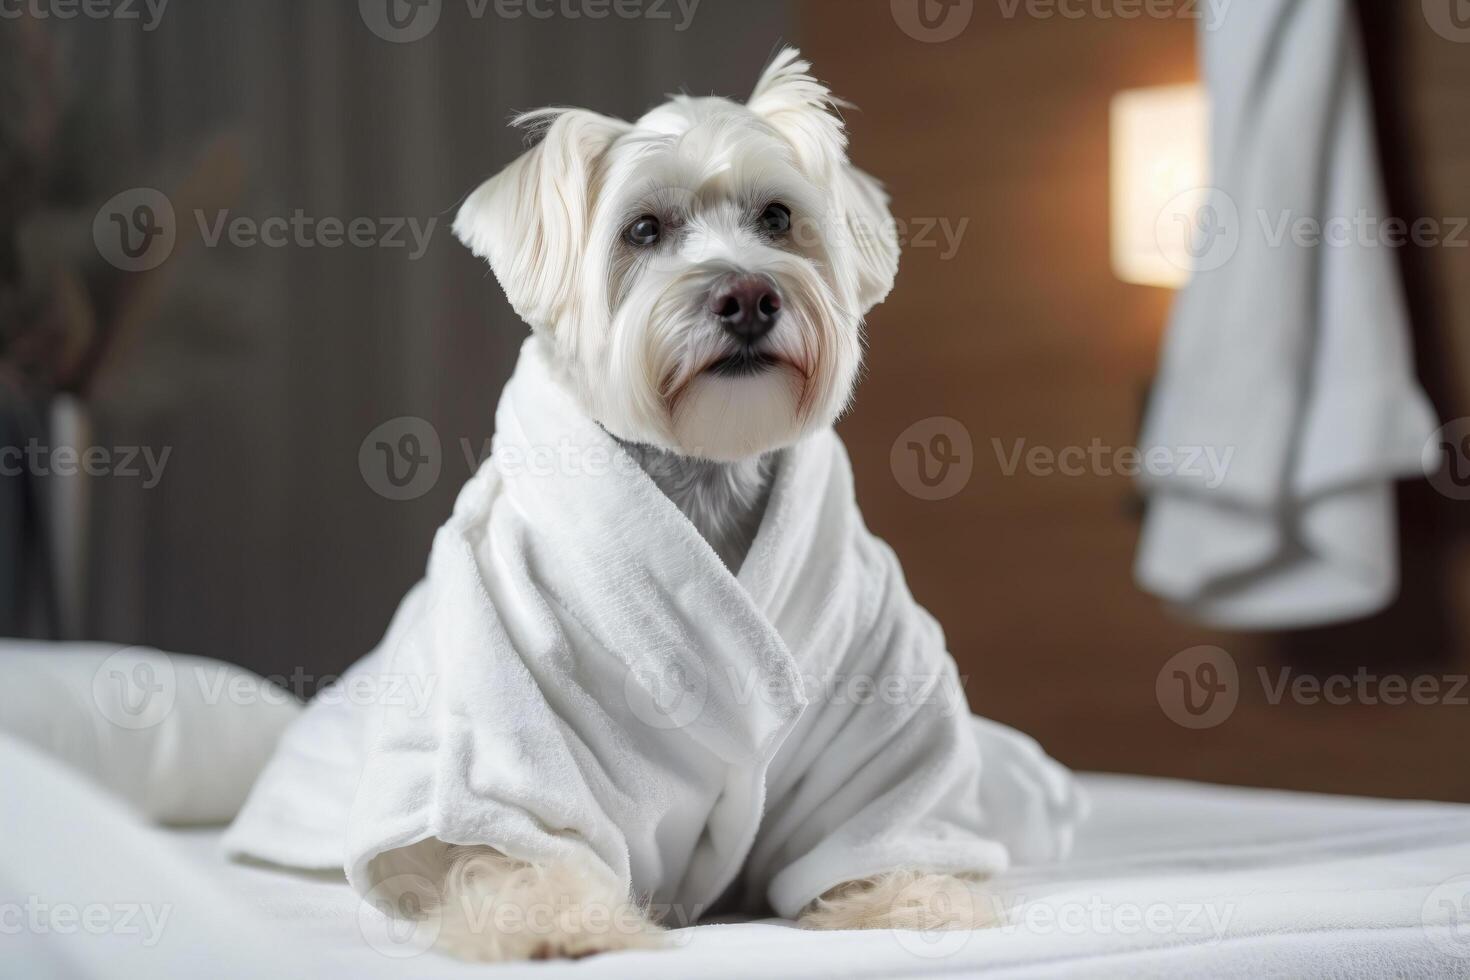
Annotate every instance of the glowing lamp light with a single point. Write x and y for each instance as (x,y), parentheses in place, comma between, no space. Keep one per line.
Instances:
(1160,170)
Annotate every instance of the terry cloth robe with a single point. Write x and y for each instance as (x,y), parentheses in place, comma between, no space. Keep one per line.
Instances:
(1288,354)
(579,678)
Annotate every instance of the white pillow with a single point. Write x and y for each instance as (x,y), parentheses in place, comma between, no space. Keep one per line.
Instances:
(181,738)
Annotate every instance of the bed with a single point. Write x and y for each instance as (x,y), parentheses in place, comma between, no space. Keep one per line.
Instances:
(1169,879)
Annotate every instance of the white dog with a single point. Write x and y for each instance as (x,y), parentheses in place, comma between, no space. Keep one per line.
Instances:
(699,279)
(696,283)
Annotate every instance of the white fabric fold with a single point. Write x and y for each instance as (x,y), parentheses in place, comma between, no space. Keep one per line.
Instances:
(1288,358)
(590,684)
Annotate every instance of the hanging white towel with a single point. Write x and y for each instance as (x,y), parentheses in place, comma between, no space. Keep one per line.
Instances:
(1288,357)
(594,686)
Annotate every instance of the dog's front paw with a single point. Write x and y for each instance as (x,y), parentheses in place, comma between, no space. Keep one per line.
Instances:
(497,910)
(910,900)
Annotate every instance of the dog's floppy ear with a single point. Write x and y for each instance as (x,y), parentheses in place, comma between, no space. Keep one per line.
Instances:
(530,220)
(805,113)
(871,233)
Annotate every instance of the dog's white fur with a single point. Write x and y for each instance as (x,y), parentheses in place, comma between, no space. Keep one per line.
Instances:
(632,331)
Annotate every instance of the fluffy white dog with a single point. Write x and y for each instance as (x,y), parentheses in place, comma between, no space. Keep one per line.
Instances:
(699,279)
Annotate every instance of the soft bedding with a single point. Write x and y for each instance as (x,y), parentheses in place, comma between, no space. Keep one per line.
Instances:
(1168,879)
(180,738)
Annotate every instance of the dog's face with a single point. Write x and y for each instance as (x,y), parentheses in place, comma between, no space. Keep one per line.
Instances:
(701,276)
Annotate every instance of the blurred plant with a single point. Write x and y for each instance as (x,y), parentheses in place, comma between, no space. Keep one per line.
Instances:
(67,318)
(44,326)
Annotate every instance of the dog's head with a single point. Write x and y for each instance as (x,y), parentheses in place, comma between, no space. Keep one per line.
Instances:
(701,275)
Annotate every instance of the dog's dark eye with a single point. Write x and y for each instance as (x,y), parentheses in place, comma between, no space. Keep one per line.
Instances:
(644,232)
(776,219)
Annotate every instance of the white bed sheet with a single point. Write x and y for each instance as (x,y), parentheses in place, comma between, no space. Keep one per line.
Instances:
(1170,879)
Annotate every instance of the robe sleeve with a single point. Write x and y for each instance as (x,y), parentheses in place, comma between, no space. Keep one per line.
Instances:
(891,770)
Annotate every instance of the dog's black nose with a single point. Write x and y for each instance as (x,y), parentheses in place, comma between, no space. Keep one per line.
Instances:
(746,306)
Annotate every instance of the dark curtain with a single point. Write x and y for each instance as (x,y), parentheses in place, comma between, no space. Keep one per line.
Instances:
(261,370)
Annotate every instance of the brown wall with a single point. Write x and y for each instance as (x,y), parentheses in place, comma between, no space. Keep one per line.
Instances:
(1026,334)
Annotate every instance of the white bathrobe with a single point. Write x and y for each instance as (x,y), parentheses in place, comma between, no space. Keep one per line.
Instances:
(579,678)
(1292,358)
